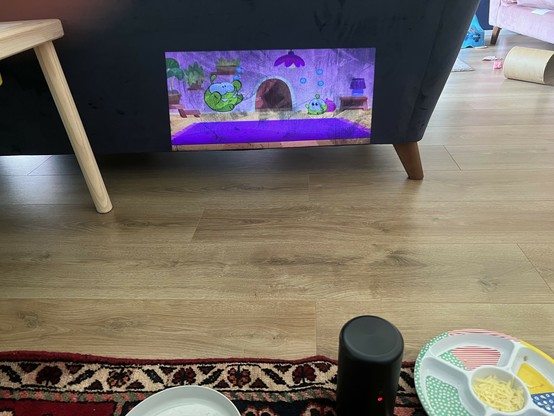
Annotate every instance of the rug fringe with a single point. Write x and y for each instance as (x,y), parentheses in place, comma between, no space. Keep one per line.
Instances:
(18,355)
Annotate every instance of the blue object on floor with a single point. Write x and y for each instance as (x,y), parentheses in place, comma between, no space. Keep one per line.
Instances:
(475,35)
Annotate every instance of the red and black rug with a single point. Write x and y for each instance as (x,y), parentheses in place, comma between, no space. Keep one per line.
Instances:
(54,384)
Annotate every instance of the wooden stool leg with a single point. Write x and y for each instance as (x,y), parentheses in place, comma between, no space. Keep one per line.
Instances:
(495,33)
(57,83)
(409,156)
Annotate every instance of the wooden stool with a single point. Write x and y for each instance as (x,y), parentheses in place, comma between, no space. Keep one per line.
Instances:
(16,37)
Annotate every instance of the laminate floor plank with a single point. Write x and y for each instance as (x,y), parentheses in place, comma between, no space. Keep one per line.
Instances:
(52,190)
(460,117)
(498,135)
(507,157)
(420,322)
(21,165)
(411,222)
(542,257)
(438,186)
(273,271)
(74,227)
(162,329)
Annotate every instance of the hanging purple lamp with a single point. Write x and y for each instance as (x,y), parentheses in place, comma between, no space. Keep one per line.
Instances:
(291,60)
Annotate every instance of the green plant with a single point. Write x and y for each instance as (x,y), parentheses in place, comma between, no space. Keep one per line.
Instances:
(194,74)
(224,62)
(174,71)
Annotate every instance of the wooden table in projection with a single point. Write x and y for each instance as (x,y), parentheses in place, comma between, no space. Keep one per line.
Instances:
(16,37)
(359,102)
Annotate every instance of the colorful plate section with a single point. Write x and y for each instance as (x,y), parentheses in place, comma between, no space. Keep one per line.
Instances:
(447,365)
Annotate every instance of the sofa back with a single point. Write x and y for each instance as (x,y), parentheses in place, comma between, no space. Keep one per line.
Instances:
(113,57)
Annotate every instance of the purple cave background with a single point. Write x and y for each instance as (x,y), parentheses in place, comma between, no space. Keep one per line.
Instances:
(275,97)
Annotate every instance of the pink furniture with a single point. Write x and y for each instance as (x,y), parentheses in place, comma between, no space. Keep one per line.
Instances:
(533,18)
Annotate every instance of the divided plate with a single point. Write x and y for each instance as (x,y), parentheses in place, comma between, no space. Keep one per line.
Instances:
(186,401)
(448,364)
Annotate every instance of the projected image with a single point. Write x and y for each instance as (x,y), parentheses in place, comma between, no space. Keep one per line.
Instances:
(270,98)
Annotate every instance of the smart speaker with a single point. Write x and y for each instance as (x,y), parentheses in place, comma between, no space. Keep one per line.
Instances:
(370,358)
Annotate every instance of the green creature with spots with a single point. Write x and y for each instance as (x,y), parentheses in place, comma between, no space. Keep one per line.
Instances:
(316,106)
(223,96)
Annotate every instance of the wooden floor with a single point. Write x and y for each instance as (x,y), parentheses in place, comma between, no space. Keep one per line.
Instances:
(269,253)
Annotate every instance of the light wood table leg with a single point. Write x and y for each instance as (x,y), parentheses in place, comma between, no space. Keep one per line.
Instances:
(410,158)
(57,83)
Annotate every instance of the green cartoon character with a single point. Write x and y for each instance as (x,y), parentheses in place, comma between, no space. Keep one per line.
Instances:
(316,106)
(223,96)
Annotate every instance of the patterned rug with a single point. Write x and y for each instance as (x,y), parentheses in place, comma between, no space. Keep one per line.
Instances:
(54,384)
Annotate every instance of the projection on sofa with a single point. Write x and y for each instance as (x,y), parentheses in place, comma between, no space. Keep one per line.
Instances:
(270,98)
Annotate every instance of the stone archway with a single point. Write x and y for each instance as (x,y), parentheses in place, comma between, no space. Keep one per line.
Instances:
(273,95)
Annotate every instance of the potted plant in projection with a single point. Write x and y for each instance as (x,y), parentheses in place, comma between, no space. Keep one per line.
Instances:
(174,72)
(227,67)
(195,76)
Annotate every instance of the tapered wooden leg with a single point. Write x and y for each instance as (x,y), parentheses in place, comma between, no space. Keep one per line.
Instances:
(495,33)
(409,156)
(57,83)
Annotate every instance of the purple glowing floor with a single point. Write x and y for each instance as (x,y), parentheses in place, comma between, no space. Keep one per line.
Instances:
(269,131)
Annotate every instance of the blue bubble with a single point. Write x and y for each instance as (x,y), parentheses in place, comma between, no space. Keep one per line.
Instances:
(239,69)
(303,80)
(236,77)
(319,71)
(321,83)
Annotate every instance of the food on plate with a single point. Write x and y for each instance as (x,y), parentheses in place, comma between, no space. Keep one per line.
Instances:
(498,394)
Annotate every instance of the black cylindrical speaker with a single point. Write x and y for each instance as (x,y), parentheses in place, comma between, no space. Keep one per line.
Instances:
(370,359)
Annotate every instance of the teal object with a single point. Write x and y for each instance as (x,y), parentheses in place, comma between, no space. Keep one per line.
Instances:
(475,35)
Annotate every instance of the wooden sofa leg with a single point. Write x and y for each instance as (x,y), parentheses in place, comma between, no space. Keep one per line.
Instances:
(495,33)
(410,158)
